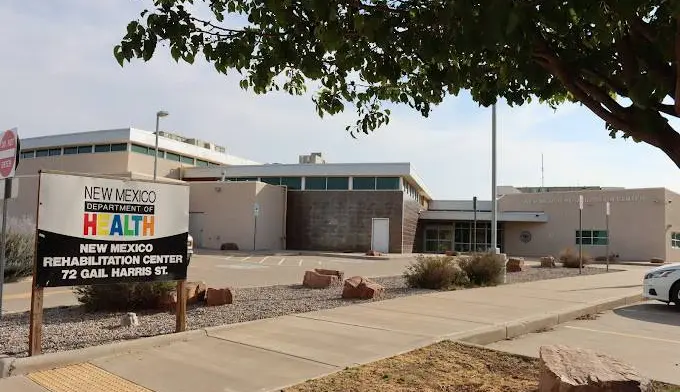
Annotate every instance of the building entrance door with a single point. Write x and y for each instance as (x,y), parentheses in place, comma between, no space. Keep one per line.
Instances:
(380,235)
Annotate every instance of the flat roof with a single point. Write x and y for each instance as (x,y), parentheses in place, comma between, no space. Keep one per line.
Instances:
(396,169)
(133,135)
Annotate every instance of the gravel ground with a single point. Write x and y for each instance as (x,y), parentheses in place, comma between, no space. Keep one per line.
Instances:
(70,328)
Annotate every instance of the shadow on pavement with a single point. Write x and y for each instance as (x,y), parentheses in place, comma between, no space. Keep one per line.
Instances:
(651,312)
(607,287)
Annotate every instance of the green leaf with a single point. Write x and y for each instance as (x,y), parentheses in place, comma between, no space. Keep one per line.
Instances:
(118,54)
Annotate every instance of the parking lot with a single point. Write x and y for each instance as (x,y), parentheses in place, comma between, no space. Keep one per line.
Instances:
(646,335)
(235,271)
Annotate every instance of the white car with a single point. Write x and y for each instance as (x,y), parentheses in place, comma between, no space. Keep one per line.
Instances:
(663,284)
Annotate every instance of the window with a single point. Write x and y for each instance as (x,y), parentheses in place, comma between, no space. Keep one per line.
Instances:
(363,183)
(84,149)
(70,150)
(592,237)
(171,156)
(119,147)
(102,148)
(55,151)
(187,160)
(387,183)
(42,153)
(271,180)
(27,154)
(337,183)
(202,163)
(140,149)
(315,183)
(292,182)
(675,240)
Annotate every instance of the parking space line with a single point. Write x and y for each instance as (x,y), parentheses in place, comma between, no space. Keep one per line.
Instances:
(246,258)
(228,257)
(623,334)
(300,263)
(263,259)
(281,262)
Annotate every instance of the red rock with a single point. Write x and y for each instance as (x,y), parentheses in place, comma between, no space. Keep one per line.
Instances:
(217,297)
(514,264)
(358,287)
(548,262)
(168,301)
(339,274)
(316,280)
(568,369)
(195,292)
(373,253)
(657,260)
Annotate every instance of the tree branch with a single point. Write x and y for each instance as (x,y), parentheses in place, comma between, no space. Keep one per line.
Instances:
(677,65)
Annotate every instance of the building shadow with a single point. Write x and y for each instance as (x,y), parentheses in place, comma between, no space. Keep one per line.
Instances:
(651,312)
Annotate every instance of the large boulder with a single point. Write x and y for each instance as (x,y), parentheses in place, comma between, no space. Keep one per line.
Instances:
(569,369)
(217,297)
(195,292)
(358,287)
(339,274)
(316,280)
(514,264)
(548,262)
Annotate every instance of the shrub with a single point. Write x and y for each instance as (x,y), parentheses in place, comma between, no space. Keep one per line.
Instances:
(483,269)
(436,273)
(19,249)
(569,258)
(123,296)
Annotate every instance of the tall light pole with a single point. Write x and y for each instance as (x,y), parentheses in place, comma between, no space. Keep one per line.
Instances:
(159,114)
(608,210)
(494,196)
(580,233)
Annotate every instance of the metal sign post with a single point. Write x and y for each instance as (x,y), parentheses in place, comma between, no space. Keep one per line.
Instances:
(474,224)
(256,213)
(8,163)
(580,234)
(607,229)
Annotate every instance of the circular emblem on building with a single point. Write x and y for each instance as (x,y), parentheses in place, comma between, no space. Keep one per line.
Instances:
(525,236)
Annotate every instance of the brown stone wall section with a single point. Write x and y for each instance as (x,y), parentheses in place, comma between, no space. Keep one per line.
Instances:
(340,221)
(410,224)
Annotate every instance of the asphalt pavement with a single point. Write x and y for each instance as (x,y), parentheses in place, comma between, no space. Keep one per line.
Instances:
(244,270)
(646,335)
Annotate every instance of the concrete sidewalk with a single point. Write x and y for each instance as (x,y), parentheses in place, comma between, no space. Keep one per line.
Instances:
(268,355)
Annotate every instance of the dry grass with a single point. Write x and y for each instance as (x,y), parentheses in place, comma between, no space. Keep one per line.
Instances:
(442,367)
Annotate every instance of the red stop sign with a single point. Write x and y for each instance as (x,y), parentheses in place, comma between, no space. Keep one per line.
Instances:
(8,149)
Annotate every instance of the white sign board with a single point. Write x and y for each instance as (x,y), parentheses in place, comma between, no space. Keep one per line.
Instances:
(95,230)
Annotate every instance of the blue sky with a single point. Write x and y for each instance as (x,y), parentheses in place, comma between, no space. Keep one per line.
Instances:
(58,75)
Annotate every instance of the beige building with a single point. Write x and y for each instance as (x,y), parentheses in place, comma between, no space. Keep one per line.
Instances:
(315,205)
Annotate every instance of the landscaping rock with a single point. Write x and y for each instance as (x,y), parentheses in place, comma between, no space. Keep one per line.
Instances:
(315,280)
(514,264)
(657,260)
(195,292)
(129,320)
(229,246)
(168,301)
(548,262)
(568,369)
(373,253)
(339,274)
(358,287)
(217,297)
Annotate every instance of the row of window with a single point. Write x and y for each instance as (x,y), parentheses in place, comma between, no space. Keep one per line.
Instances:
(592,237)
(171,156)
(412,192)
(115,147)
(329,183)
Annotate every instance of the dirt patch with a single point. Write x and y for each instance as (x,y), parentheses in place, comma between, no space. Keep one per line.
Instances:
(442,367)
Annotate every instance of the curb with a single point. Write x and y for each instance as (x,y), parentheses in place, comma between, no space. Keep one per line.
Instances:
(494,333)
(10,366)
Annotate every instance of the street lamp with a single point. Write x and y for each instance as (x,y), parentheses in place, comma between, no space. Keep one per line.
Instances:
(580,233)
(159,114)
(608,211)
(494,196)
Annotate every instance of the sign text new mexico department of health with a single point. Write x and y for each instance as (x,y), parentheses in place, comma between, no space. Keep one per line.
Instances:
(94,230)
